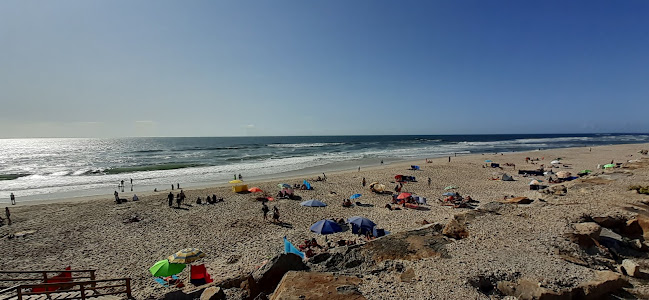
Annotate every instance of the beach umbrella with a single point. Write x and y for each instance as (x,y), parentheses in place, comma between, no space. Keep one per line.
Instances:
(313,203)
(534,182)
(255,190)
(355,196)
(609,166)
(361,222)
(235,181)
(488,160)
(451,187)
(373,183)
(186,256)
(284,185)
(404,196)
(449,194)
(326,227)
(563,174)
(585,171)
(554,162)
(164,268)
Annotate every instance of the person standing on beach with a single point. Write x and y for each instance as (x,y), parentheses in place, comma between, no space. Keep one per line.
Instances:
(172,186)
(381,161)
(116,196)
(324,177)
(235,176)
(13,199)
(240,177)
(359,169)
(264,209)
(429,181)
(170,197)
(364,182)
(8,214)
(275,214)
(178,186)
(449,159)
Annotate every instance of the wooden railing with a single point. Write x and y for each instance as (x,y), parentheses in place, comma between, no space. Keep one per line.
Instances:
(5,276)
(86,289)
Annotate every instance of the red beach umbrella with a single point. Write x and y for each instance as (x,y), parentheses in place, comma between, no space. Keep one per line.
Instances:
(404,196)
(255,190)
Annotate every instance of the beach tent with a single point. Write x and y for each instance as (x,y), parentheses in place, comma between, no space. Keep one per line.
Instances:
(313,203)
(307,184)
(326,227)
(355,196)
(235,181)
(554,162)
(361,223)
(507,178)
(289,248)
(609,166)
(378,187)
(414,167)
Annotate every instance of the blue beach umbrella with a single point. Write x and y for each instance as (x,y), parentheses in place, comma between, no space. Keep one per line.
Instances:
(361,222)
(354,196)
(284,185)
(313,203)
(488,160)
(326,227)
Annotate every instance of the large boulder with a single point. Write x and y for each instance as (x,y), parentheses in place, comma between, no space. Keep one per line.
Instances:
(605,283)
(455,230)
(213,293)
(314,285)
(590,229)
(266,278)
(630,268)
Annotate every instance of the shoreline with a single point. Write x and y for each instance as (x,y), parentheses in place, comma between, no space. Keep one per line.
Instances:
(310,172)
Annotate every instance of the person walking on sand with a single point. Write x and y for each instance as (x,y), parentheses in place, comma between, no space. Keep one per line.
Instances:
(178,186)
(116,196)
(264,209)
(8,214)
(240,177)
(359,169)
(172,186)
(235,176)
(449,159)
(275,214)
(170,197)
(364,182)
(429,181)
(12,197)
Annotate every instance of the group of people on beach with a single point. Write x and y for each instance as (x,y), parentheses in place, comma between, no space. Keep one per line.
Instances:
(265,210)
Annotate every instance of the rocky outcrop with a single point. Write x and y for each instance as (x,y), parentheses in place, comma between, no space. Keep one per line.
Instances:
(589,229)
(314,285)
(266,278)
(630,268)
(455,230)
(213,293)
(605,282)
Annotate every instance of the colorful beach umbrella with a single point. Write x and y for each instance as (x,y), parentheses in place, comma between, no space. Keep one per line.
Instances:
(186,256)
(164,268)
(284,185)
(355,196)
(313,203)
(255,190)
(404,196)
(326,227)
(361,222)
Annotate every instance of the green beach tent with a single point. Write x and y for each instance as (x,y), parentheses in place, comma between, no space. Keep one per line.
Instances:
(609,166)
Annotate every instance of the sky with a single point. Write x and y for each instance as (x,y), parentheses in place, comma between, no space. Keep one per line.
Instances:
(116,68)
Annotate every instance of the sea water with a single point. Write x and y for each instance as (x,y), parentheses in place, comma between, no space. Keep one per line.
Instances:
(37,169)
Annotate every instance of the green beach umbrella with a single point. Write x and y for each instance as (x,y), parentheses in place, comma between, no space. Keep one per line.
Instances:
(609,166)
(164,268)
(585,171)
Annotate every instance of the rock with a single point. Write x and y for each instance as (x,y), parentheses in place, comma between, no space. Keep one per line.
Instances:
(605,283)
(610,221)
(559,190)
(315,285)
(213,293)
(590,229)
(637,245)
(630,268)
(266,278)
(320,257)
(643,222)
(492,207)
(455,230)
(519,200)
(408,275)
(261,296)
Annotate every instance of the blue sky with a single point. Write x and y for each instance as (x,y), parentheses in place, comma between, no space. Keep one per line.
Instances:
(224,68)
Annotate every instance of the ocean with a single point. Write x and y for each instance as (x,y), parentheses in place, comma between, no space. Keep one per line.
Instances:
(41,169)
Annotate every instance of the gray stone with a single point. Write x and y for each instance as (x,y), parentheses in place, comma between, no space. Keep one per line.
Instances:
(590,229)
(213,293)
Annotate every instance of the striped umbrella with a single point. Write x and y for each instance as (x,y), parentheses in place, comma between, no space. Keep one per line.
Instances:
(186,256)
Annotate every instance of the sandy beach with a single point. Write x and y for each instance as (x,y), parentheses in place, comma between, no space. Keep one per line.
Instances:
(521,241)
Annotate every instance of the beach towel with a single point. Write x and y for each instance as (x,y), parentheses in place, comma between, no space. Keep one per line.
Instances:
(289,248)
